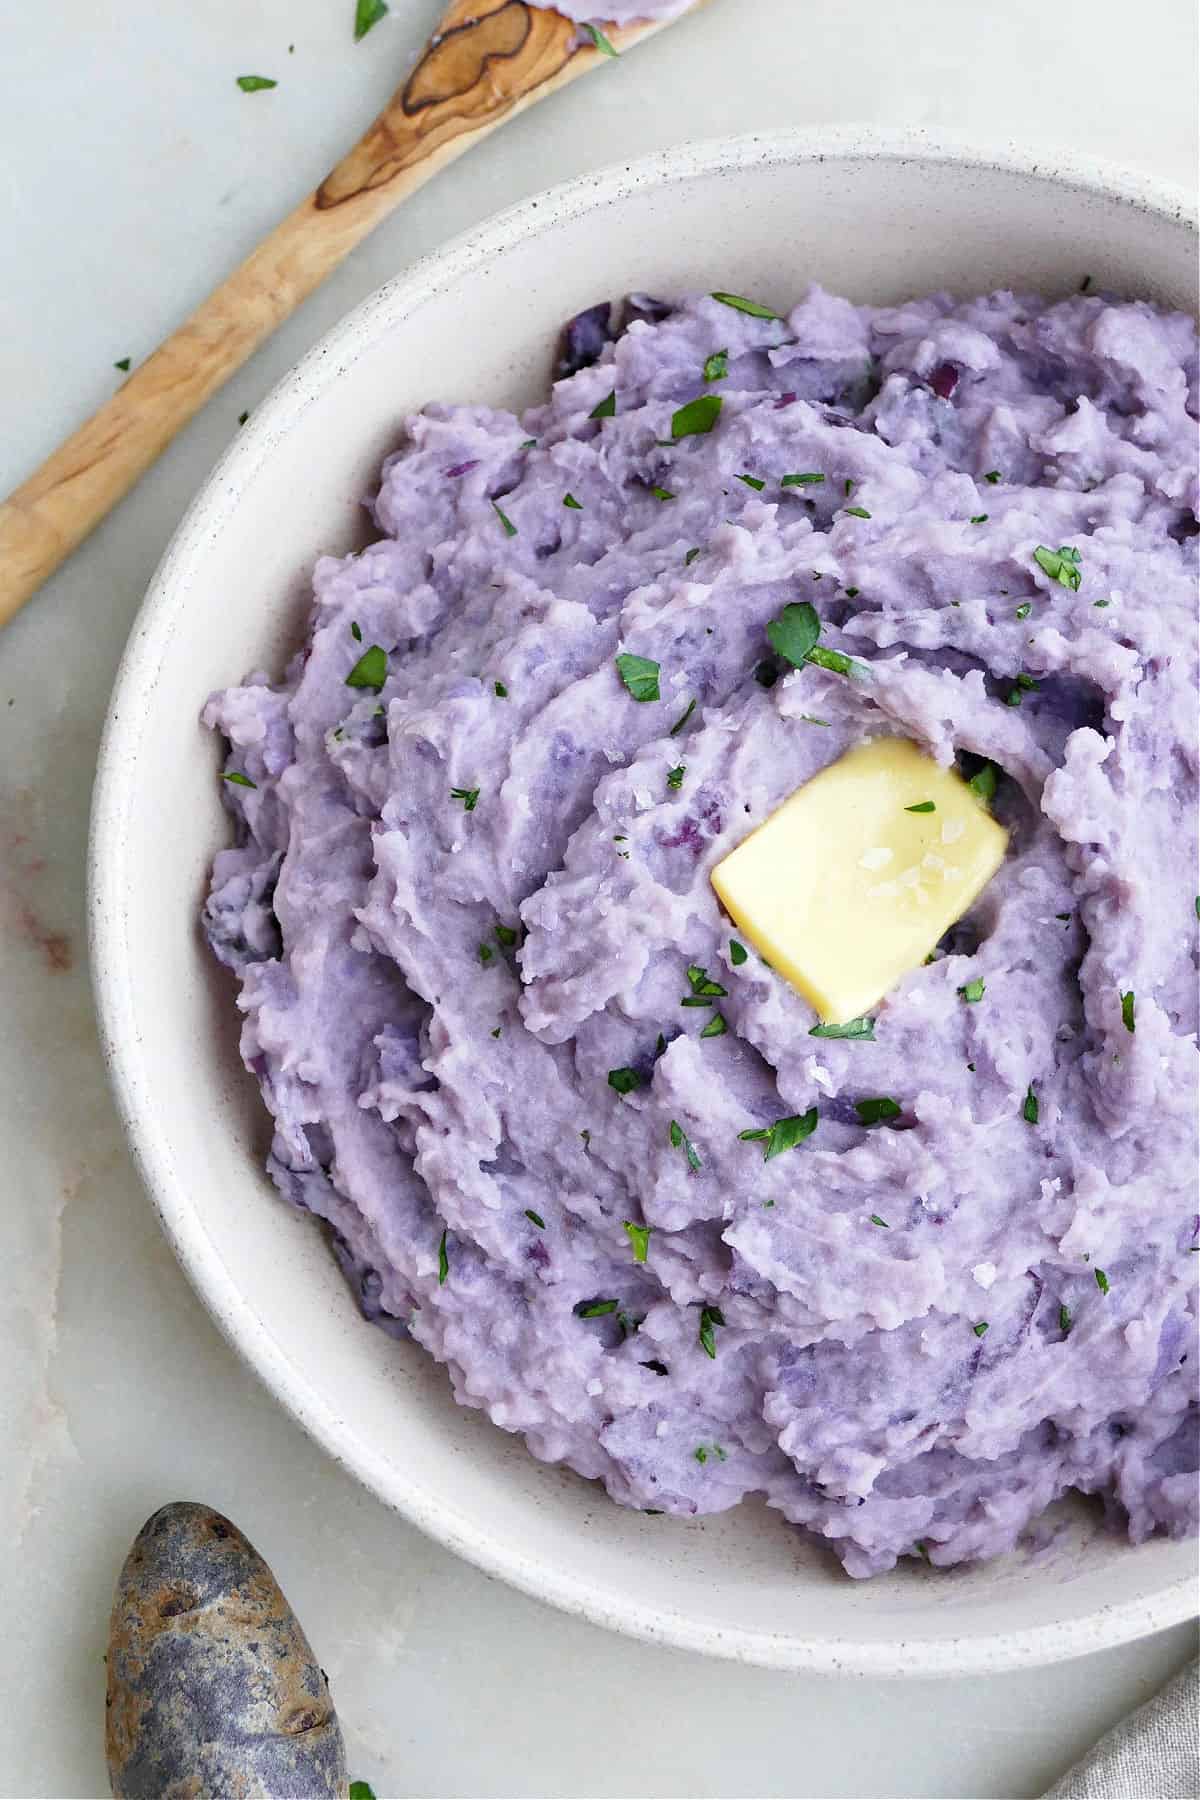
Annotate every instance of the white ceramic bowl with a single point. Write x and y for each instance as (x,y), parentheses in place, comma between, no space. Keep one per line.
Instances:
(876,216)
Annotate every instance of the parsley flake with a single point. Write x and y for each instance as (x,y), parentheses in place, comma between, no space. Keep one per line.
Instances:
(834,661)
(681,1141)
(1023,611)
(683,718)
(486,953)
(535,1218)
(123,363)
(510,529)
(661,493)
(696,418)
(752,481)
(570,501)
(594,1309)
(606,408)
(639,1237)
(639,674)
(366,14)
(875,1111)
(1030,1109)
(861,1029)
(716,1027)
(784,1134)
(856,512)
(500,691)
(1127,1006)
(603,44)
(370,671)
(691,556)
(675,776)
(709,1317)
(737,953)
(739,303)
(922,806)
(1064,1319)
(1061,565)
(468,796)
(980,1329)
(993,476)
(973,991)
(809,478)
(716,368)
(1101,1280)
(979,519)
(983,783)
(623,1081)
(882,1223)
(795,632)
(238,780)
(356,631)
(702,984)
(443,1262)
(254,84)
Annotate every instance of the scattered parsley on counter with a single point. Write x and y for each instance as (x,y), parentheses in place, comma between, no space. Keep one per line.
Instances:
(875,1111)
(1029,1111)
(510,529)
(594,1309)
(443,1262)
(639,674)
(468,796)
(238,780)
(1061,565)
(370,671)
(717,366)
(606,408)
(973,991)
(639,1237)
(603,44)
(366,14)
(535,1218)
(1127,1006)
(853,1028)
(922,806)
(123,363)
(710,1316)
(737,953)
(1101,1280)
(675,776)
(569,500)
(681,1141)
(623,1081)
(683,718)
(784,1134)
(254,84)
(696,418)
(809,479)
(740,304)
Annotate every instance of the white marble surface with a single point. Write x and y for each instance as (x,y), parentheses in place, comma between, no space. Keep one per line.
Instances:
(132,174)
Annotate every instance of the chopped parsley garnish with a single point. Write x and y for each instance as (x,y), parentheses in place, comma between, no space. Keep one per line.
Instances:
(784,1134)
(123,363)
(993,476)
(922,806)
(716,368)
(254,84)
(710,1316)
(510,529)
(659,1368)
(500,691)
(535,1218)
(506,935)
(973,990)
(740,304)
(639,1237)
(366,14)
(570,501)
(1101,1280)
(795,632)
(675,776)
(681,1141)
(752,481)
(370,671)
(486,954)
(983,783)
(716,1027)
(1101,602)
(594,1309)
(979,519)
(737,953)
(623,1081)
(1061,565)
(697,417)
(238,780)
(639,674)
(468,796)
(356,631)
(606,408)
(1023,611)
(852,593)
(1127,1006)
(691,556)
(809,478)
(834,661)
(875,1111)
(1064,1319)
(661,493)
(853,1028)
(605,47)
(496,1032)
(847,487)
(1029,1111)
(361,1790)
(882,1223)
(702,984)
(856,512)
(443,1262)
(683,718)
(981,1328)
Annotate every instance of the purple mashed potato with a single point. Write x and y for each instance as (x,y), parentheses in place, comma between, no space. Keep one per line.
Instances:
(463,911)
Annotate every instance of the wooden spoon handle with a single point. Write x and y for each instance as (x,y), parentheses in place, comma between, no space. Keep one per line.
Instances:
(488,60)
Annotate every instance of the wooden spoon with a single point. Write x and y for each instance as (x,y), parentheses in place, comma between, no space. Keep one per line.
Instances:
(486,62)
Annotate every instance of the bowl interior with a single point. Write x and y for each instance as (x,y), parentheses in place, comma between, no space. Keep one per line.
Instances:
(880,220)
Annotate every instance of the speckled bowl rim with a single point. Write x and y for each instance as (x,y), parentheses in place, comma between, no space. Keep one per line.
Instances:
(1105,1627)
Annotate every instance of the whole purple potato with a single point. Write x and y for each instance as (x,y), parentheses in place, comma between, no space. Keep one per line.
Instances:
(212,1686)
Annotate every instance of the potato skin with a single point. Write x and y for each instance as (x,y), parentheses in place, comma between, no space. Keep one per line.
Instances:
(213,1690)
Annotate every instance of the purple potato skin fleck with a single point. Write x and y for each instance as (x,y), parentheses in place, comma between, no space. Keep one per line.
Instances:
(212,1686)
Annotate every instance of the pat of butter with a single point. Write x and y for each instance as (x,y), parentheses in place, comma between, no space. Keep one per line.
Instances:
(843,891)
